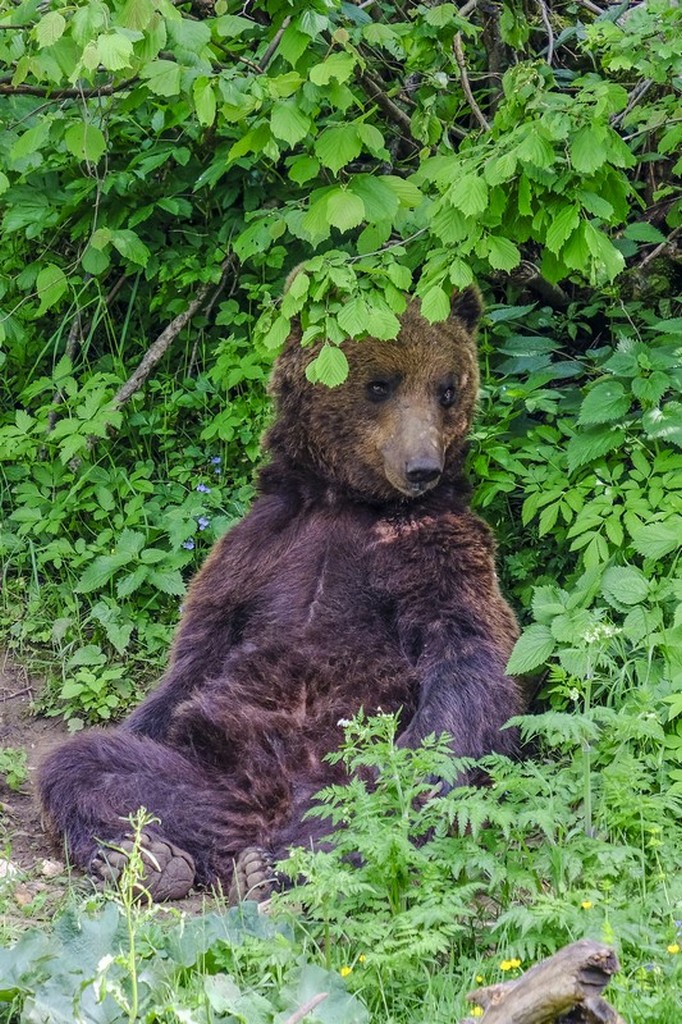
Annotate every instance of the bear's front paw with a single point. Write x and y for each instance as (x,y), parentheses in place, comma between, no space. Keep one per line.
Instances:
(253,877)
(168,871)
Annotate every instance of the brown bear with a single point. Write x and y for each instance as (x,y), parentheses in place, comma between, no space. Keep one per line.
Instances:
(359,579)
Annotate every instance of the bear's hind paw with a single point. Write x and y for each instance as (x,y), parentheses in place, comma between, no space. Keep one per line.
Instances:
(253,877)
(168,871)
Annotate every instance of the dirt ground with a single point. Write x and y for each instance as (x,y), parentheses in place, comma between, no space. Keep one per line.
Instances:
(34,875)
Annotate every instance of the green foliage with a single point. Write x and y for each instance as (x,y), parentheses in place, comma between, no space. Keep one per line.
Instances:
(13,767)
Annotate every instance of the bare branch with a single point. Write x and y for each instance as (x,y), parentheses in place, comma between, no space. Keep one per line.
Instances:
(392,111)
(157,349)
(550,31)
(272,47)
(461,64)
(659,248)
(60,94)
(589,6)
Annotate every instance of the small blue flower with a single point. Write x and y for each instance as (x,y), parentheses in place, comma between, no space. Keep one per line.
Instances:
(216,460)
(203,522)
(189,544)
(203,489)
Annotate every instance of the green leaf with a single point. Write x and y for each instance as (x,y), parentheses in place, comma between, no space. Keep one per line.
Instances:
(51,284)
(435,304)
(608,261)
(469,194)
(379,199)
(605,403)
(163,77)
(287,122)
(642,231)
(588,149)
(49,29)
(345,210)
(373,140)
(532,649)
(130,246)
(85,141)
(353,317)
(664,424)
(99,572)
(337,146)
(656,540)
(592,444)
(114,51)
(278,333)
(167,580)
(204,100)
(562,226)
(625,585)
(502,253)
(382,323)
(94,261)
(303,168)
(330,367)
(339,66)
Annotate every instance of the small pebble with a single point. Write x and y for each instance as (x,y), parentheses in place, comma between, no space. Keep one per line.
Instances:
(51,868)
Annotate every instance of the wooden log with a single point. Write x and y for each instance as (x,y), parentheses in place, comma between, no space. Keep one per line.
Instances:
(563,989)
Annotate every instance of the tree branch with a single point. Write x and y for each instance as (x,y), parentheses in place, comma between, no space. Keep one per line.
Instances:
(464,78)
(272,47)
(390,109)
(60,94)
(157,349)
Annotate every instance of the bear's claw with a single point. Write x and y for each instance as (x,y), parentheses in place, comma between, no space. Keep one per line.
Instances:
(253,877)
(168,871)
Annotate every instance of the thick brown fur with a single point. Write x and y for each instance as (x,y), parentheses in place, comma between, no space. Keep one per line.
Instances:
(360,579)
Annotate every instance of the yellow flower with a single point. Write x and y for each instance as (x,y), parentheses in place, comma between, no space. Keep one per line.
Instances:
(673,948)
(479,979)
(477,1012)
(345,971)
(362,958)
(586,904)
(509,965)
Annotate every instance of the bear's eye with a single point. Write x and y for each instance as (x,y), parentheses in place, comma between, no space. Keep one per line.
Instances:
(378,390)
(448,396)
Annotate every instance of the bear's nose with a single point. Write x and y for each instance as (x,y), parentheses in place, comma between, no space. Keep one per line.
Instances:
(423,472)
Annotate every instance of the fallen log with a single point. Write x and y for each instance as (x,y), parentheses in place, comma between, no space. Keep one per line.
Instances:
(563,989)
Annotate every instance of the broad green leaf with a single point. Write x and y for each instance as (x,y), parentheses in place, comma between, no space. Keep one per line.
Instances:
(656,540)
(625,585)
(665,424)
(562,226)
(502,253)
(604,403)
(162,77)
(373,140)
(532,649)
(379,199)
(339,66)
(461,274)
(114,51)
(94,261)
(31,141)
(278,333)
(51,284)
(591,444)
(435,305)
(642,231)
(608,261)
(85,141)
(204,100)
(288,122)
(303,168)
(382,323)
(337,146)
(4,182)
(137,14)
(588,149)
(469,194)
(130,246)
(535,150)
(353,317)
(99,572)
(167,580)
(330,367)
(344,209)
(407,192)
(400,276)
(49,29)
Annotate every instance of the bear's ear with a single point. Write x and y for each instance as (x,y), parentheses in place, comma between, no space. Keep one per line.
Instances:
(467,306)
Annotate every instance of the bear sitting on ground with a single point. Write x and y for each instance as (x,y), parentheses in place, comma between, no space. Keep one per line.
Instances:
(360,579)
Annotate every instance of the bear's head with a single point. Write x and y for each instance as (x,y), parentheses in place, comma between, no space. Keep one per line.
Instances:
(397,424)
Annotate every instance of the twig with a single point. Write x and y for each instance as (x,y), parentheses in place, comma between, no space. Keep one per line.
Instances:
(389,108)
(306,1008)
(157,349)
(60,94)
(272,47)
(459,57)
(636,96)
(550,32)
(659,248)
(467,9)
(589,6)
(25,691)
